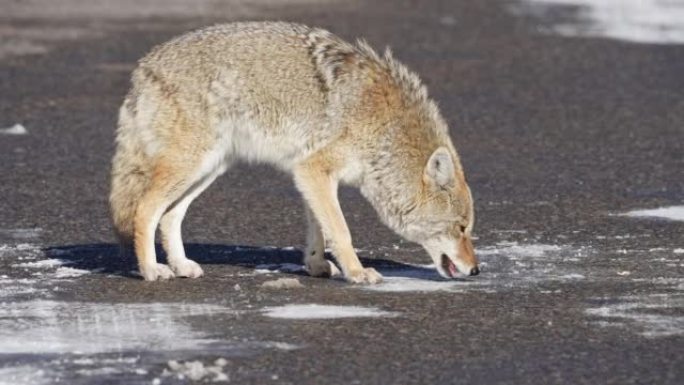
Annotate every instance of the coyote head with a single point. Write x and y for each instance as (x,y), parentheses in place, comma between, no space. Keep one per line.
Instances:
(443,218)
(438,214)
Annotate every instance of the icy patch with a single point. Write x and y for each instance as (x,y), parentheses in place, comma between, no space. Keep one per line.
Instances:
(399,284)
(420,278)
(654,315)
(639,21)
(20,252)
(673,283)
(279,268)
(572,276)
(506,265)
(42,326)
(18,287)
(315,311)
(516,251)
(69,272)
(23,375)
(196,371)
(51,268)
(673,213)
(17,129)
(42,264)
(283,283)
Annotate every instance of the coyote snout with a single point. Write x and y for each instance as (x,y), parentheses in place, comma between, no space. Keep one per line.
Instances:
(456,256)
(301,99)
(463,261)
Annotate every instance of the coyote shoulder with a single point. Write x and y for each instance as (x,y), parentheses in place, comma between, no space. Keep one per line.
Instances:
(301,99)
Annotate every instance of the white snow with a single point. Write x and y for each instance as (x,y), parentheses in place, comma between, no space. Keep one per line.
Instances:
(572,276)
(505,265)
(43,264)
(60,273)
(639,21)
(645,312)
(673,213)
(283,283)
(69,272)
(23,375)
(20,252)
(17,129)
(515,251)
(42,326)
(18,287)
(315,311)
(678,251)
(196,371)
(279,268)
(405,284)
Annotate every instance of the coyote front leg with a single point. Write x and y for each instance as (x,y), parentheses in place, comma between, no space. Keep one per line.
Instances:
(314,255)
(319,189)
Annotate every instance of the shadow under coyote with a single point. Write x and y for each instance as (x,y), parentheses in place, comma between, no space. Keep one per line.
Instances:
(106,258)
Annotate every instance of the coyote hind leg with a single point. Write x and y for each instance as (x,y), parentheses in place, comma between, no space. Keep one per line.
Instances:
(169,183)
(170,227)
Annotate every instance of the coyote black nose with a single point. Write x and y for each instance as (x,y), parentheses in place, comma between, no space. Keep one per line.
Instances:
(474,271)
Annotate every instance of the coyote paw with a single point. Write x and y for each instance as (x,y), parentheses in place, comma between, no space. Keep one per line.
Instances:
(365,276)
(187,268)
(321,268)
(158,271)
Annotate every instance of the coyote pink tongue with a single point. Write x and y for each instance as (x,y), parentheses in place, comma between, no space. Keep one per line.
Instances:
(452,269)
(449,266)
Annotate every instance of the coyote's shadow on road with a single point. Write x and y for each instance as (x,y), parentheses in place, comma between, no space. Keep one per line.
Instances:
(106,258)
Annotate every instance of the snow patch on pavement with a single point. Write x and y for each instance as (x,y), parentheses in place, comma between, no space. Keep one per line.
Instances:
(20,251)
(196,371)
(506,265)
(673,213)
(23,375)
(45,269)
(43,264)
(42,326)
(69,272)
(655,315)
(279,268)
(516,251)
(10,287)
(315,311)
(17,129)
(282,283)
(638,21)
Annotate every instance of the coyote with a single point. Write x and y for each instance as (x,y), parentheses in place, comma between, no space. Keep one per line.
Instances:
(305,101)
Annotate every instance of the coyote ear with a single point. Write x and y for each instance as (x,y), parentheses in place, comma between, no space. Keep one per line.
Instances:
(440,168)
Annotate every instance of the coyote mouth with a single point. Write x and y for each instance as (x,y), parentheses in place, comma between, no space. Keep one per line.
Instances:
(449,266)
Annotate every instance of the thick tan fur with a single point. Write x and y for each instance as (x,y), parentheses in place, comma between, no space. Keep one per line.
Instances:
(307,102)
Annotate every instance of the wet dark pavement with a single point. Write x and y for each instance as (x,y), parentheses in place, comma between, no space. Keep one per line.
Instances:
(558,136)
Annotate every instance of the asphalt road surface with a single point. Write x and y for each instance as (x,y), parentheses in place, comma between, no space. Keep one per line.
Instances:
(563,126)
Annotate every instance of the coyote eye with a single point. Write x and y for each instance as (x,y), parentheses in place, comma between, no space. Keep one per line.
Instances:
(463,229)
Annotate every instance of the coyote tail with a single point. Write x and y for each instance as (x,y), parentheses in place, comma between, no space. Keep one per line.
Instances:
(129,179)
